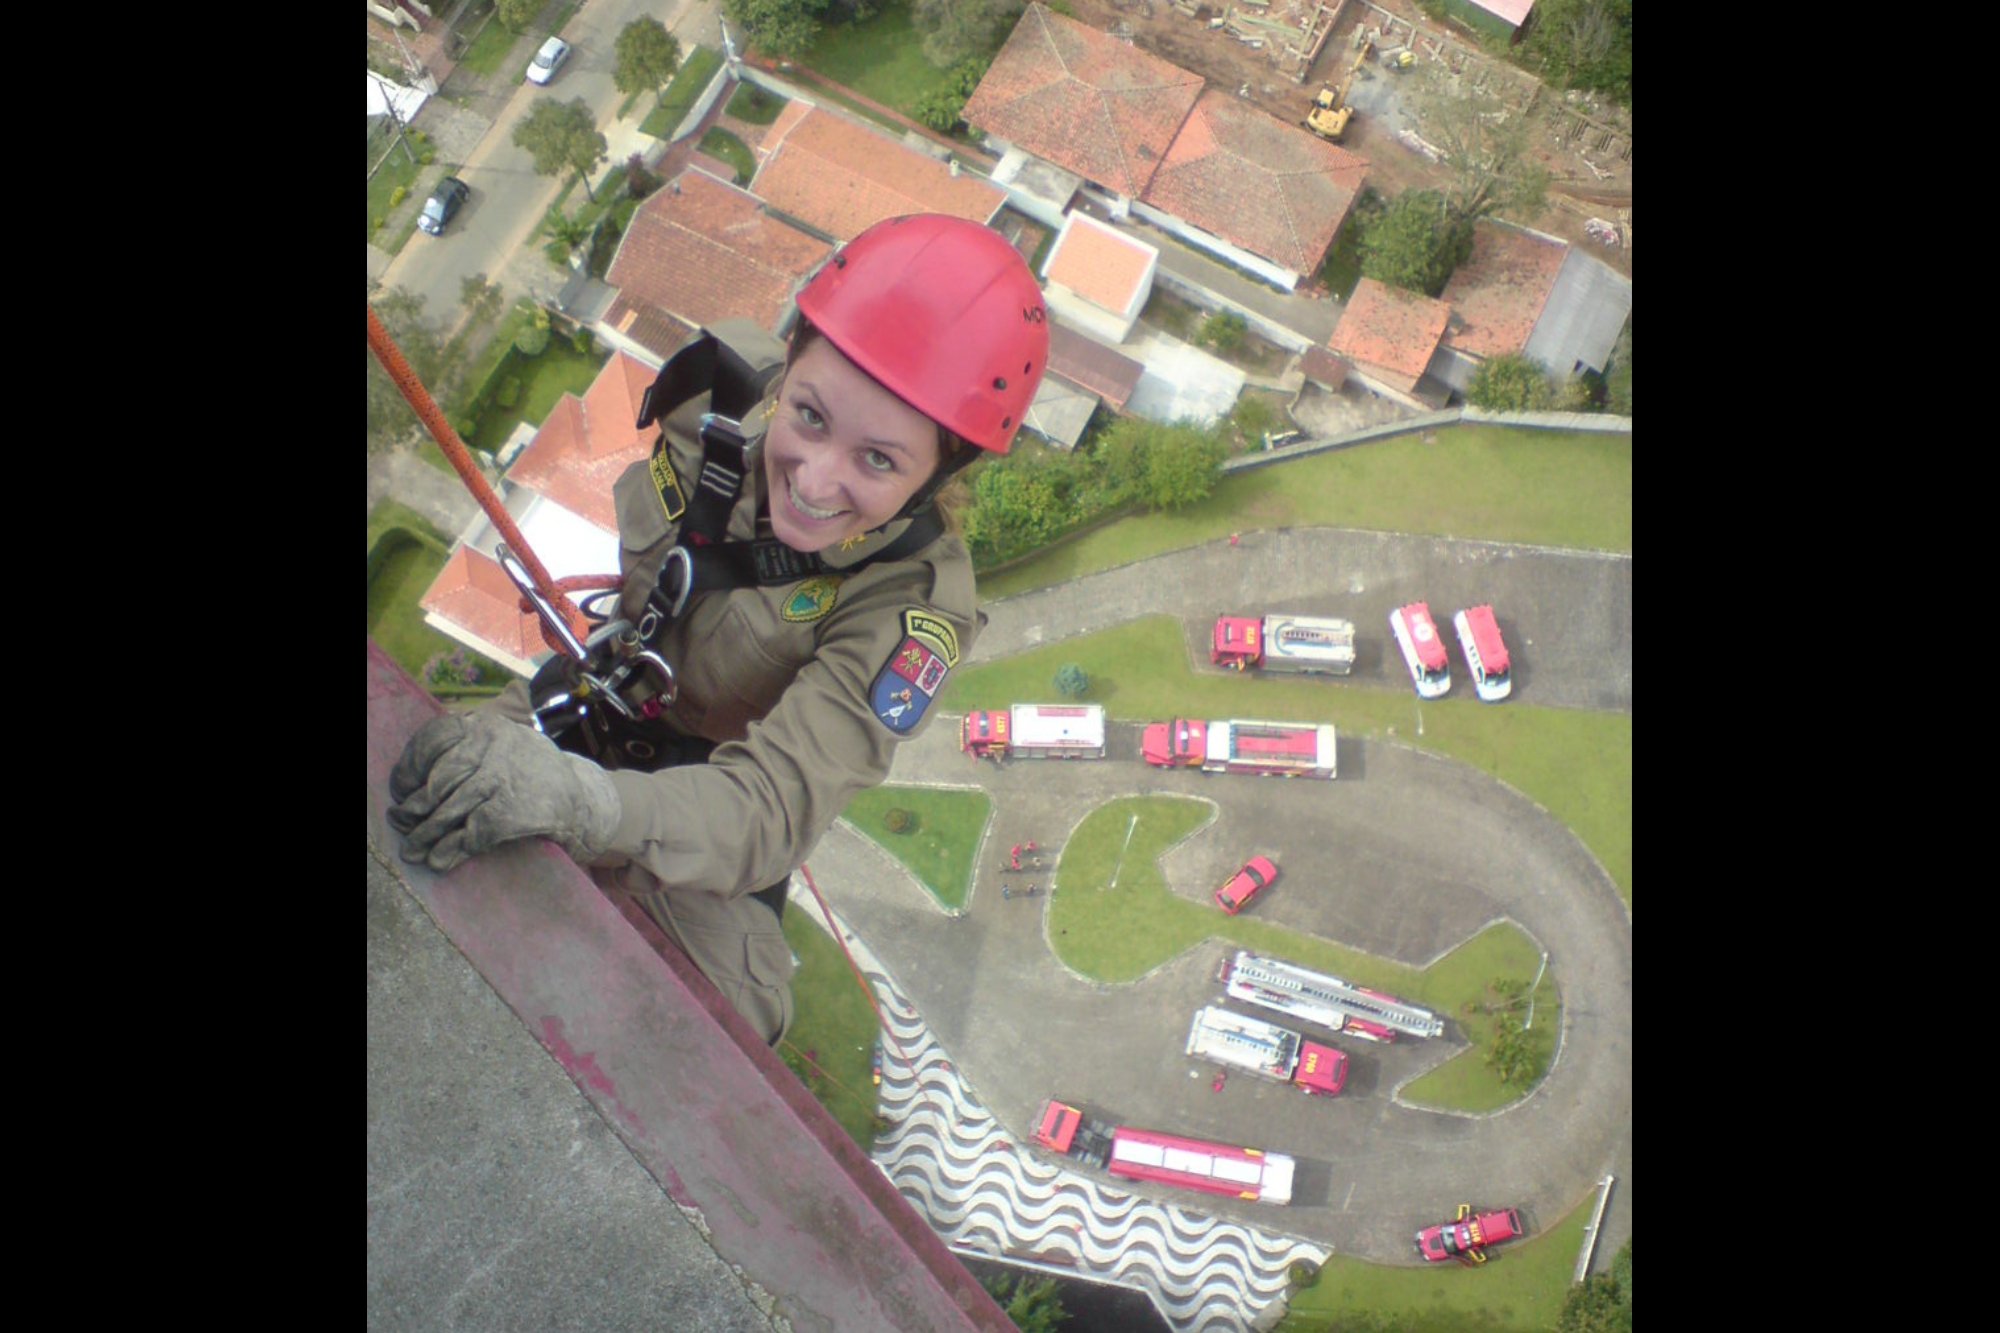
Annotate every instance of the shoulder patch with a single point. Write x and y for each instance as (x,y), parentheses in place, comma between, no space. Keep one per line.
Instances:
(811,599)
(915,671)
(664,481)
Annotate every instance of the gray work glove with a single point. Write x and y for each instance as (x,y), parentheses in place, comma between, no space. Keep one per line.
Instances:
(468,782)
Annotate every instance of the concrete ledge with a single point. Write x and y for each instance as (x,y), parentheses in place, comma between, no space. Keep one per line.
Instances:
(777,1190)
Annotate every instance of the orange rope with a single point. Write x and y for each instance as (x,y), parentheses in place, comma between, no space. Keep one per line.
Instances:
(420,401)
(827,913)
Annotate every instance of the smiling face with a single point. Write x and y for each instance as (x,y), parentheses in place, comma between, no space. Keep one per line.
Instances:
(842,453)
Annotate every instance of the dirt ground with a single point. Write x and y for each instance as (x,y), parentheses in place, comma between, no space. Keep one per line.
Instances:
(1585,144)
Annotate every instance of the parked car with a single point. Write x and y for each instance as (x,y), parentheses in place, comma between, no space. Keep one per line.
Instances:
(443,205)
(1466,1238)
(1245,884)
(553,55)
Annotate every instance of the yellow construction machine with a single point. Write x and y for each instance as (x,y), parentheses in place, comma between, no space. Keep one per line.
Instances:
(1330,114)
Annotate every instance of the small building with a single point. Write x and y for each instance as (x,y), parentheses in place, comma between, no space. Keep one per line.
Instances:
(1523,292)
(1097,278)
(1390,337)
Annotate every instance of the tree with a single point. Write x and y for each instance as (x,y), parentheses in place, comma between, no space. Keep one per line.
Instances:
(940,107)
(516,15)
(1223,331)
(956,29)
(1414,244)
(1488,149)
(1072,681)
(1584,44)
(565,233)
(1032,1303)
(1164,467)
(1015,508)
(562,135)
(781,29)
(1512,1055)
(1595,1305)
(647,56)
(1510,384)
(390,417)
(481,300)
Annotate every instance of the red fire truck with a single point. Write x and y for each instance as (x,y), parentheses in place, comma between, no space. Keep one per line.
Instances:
(1328,1001)
(1288,749)
(1266,1050)
(1423,650)
(1035,731)
(1311,644)
(1485,652)
(1144,1154)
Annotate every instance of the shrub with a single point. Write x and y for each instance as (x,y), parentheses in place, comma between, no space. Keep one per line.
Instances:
(509,392)
(398,195)
(376,225)
(1072,681)
(899,820)
(1303,1273)
(1223,330)
(533,340)
(583,342)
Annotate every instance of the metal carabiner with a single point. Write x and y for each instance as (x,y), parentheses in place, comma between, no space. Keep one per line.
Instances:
(556,625)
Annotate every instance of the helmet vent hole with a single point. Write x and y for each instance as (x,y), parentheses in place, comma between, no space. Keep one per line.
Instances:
(999,383)
(1006,422)
(840,261)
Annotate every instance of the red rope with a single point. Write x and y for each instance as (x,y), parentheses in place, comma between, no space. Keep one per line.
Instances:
(834,926)
(420,401)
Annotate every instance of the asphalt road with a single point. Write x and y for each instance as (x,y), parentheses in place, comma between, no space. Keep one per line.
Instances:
(1406,855)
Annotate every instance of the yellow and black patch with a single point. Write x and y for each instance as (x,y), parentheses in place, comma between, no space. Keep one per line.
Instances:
(811,599)
(665,482)
(935,631)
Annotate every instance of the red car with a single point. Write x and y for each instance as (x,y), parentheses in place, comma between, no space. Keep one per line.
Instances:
(1245,884)
(1467,1238)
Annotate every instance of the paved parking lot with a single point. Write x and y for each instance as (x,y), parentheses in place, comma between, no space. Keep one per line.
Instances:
(1405,855)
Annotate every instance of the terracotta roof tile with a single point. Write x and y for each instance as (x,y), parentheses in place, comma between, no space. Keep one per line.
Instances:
(1386,329)
(474,593)
(842,178)
(1099,263)
(1089,364)
(1498,293)
(1083,100)
(646,324)
(1322,367)
(703,250)
(586,442)
(1273,189)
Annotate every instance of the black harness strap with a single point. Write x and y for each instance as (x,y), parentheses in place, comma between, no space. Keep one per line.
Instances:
(708,365)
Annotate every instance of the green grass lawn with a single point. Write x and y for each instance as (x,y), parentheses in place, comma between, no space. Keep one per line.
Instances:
(755,105)
(399,170)
(729,148)
(882,58)
(1498,483)
(939,847)
(1577,764)
(835,1022)
(488,51)
(1520,1288)
(697,68)
(545,379)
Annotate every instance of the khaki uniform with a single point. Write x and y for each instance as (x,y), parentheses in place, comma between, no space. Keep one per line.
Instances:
(800,685)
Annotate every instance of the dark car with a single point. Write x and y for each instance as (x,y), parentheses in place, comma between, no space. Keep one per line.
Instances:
(443,205)
(1466,1238)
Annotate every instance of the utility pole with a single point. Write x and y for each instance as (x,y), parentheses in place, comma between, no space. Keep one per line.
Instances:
(1119,868)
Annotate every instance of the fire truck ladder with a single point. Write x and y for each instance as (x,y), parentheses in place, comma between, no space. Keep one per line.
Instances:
(1274,1052)
(1337,995)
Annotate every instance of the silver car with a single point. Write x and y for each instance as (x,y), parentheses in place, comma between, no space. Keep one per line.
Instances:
(553,55)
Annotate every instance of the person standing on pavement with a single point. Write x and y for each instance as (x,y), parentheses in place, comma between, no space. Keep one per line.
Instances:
(919,347)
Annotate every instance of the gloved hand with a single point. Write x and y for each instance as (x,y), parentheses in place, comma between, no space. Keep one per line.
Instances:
(468,782)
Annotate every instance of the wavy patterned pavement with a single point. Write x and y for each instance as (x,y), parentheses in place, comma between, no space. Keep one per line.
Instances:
(954,1162)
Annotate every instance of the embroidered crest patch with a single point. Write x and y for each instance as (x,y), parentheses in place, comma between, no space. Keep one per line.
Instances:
(664,481)
(811,599)
(915,671)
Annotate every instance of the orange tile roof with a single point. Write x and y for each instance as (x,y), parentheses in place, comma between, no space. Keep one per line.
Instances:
(1083,100)
(706,251)
(1098,263)
(1390,329)
(842,178)
(1222,174)
(586,442)
(473,592)
(1498,293)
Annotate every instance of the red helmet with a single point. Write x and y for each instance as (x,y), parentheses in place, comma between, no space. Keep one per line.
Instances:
(944,314)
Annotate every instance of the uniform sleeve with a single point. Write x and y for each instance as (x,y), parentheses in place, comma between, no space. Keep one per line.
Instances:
(752,814)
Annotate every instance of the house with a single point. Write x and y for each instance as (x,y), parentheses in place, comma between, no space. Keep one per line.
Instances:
(836,177)
(558,492)
(1266,196)
(1098,278)
(1079,115)
(697,251)
(1389,337)
(1083,372)
(1523,292)
(1490,18)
